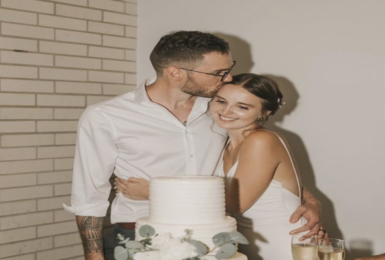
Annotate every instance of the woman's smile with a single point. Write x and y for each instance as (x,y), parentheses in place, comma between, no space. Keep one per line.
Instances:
(225,118)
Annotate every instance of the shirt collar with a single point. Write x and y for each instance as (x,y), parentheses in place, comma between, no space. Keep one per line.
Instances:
(141,93)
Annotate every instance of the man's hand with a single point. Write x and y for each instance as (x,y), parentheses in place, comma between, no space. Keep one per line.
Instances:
(375,257)
(311,210)
(91,232)
(133,188)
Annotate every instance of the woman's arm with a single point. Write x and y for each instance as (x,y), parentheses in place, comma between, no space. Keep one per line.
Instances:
(259,158)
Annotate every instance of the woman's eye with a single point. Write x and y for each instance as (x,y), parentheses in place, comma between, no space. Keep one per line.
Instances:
(245,108)
(220,101)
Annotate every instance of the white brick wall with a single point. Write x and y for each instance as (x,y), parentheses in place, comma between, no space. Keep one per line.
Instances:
(18,44)
(62,48)
(16,85)
(68,113)
(26,247)
(106,28)
(17,180)
(78,12)
(18,207)
(17,16)
(54,177)
(14,154)
(27,31)
(7,71)
(109,53)
(56,58)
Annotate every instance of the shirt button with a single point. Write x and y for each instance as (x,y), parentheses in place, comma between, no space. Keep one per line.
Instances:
(191,155)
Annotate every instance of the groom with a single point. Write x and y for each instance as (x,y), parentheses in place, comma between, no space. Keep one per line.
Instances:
(159,129)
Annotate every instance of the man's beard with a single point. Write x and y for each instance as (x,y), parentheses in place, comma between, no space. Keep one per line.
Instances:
(192,88)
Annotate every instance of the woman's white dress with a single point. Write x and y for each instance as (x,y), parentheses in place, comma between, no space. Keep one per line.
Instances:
(266,223)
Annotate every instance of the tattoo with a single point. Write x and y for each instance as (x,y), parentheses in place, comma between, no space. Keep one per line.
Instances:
(91,229)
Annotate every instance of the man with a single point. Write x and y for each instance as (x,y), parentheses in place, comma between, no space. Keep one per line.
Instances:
(159,129)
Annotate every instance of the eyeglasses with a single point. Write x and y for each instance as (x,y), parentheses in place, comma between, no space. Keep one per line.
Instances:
(222,74)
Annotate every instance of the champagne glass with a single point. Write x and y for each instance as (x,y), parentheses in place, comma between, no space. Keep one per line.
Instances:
(304,249)
(331,249)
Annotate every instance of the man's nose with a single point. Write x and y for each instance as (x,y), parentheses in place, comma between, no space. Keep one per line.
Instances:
(228,78)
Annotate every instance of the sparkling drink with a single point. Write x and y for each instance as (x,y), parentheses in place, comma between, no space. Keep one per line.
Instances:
(304,251)
(331,249)
(331,254)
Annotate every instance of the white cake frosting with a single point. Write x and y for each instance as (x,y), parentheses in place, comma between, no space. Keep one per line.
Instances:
(196,203)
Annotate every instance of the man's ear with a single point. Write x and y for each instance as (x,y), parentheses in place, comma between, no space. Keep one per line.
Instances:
(174,73)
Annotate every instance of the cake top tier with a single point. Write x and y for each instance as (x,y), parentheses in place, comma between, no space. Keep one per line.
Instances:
(187,199)
(190,179)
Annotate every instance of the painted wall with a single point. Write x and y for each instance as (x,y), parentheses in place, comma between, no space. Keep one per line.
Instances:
(329,59)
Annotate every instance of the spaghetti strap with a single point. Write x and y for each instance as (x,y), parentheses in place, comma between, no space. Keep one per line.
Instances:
(291,160)
(219,167)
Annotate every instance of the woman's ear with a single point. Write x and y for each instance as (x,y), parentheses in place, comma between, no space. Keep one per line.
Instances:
(268,113)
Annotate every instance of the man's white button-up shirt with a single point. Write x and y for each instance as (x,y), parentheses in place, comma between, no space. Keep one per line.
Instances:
(133,137)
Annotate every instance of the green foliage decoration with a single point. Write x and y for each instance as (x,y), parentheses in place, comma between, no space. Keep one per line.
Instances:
(225,244)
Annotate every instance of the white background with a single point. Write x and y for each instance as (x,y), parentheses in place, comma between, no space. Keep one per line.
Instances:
(329,59)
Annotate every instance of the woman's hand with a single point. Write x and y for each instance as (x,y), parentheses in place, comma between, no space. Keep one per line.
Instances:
(133,188)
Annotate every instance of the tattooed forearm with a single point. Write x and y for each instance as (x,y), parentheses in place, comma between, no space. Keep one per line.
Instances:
(91,229)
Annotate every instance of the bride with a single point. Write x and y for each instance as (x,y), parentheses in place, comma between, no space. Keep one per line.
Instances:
(263,184)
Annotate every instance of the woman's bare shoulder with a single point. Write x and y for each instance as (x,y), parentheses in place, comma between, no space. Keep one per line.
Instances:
(264,138)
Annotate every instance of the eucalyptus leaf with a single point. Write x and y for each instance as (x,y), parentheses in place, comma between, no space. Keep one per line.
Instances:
(221,238)
(120,253)
(146,241)
(239,238)
(200,247)
(146,231)
(134,245)
(226,251)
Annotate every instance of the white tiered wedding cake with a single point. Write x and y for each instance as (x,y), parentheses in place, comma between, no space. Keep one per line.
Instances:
(195,203)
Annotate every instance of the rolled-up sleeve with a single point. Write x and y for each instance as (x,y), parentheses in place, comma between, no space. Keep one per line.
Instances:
(94,164)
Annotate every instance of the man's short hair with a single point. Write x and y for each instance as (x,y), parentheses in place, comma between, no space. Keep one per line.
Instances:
(185,47)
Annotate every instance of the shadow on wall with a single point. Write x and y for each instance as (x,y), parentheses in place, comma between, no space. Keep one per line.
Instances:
(360,248)
(241,51)
(356,248)
(291,97)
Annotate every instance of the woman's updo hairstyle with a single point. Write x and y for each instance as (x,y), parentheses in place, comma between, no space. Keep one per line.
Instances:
(262,87)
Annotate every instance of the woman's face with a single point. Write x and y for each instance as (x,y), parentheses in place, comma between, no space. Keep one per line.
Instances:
(234,107)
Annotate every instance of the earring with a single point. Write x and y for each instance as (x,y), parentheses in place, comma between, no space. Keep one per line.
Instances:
(260,119)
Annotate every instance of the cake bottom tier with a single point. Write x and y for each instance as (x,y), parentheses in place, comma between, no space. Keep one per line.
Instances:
(152,255)
(237,256)
(202,233)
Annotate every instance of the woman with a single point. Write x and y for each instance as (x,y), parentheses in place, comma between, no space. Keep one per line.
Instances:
(263,185)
